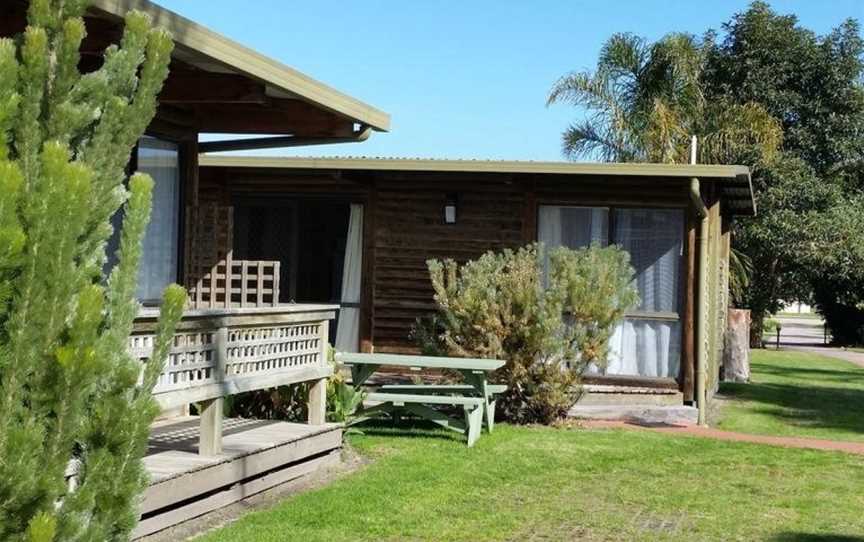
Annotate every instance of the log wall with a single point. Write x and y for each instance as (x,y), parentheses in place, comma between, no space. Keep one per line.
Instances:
(405,226)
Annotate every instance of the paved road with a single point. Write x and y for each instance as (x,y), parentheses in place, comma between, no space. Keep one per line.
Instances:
(801,332)
(807,335)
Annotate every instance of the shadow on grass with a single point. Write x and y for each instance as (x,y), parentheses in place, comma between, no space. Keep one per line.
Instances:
(808,537)
(826,407)
(407,428)
(821,375)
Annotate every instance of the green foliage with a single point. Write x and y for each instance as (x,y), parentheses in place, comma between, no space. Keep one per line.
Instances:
(804,239)
(645,101)
(70,394)
(343,399)
(285,403)
(769,325)
(499,306)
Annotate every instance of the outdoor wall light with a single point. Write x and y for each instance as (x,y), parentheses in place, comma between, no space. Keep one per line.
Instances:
(450,209)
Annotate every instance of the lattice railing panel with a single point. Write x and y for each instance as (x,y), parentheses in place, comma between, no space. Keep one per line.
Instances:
(191,361)
(276,348)
(212,355)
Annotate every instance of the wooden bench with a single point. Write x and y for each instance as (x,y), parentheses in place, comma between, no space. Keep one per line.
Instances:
(416,404)
(452,389)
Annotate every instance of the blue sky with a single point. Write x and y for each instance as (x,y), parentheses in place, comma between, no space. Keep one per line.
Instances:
(463,79)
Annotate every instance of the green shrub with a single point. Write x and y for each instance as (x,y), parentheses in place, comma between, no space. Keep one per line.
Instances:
(70,392)
(770,326)
(548,328)
(283,403)
(343,399)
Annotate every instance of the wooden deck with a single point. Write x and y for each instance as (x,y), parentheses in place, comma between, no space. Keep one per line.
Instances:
(256,455)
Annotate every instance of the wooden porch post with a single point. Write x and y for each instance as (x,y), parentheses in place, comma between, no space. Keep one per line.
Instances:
(210,439)
(318,402)
(317,405)
(210,428)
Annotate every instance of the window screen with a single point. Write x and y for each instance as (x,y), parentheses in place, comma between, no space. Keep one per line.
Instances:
(654,239)
(573,227)
(160,160)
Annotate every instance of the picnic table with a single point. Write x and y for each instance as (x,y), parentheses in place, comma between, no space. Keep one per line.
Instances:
(476,396)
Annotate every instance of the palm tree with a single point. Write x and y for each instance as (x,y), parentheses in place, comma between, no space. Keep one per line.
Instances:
(644,101)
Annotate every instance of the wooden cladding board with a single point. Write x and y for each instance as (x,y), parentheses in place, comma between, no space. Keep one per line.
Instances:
(405,211)
(410,230)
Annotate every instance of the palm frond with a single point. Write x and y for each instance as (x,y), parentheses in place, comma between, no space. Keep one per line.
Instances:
(731,129)
(591,140)
(740,271)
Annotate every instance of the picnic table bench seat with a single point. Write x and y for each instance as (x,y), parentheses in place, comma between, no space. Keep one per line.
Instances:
(416,404)
(494,389)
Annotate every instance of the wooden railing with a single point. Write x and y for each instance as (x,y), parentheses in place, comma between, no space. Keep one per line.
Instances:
(222,352)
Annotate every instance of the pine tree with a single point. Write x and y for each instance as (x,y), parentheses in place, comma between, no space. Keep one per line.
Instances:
(70,394)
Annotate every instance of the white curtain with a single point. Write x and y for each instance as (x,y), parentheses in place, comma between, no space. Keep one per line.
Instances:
(348,327)
(572,227)
(646,348)
(160,160)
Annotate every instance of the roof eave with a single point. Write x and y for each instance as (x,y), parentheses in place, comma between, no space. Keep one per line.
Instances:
(225,51)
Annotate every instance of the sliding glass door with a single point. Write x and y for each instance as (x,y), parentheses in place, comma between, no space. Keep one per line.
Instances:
(648,341)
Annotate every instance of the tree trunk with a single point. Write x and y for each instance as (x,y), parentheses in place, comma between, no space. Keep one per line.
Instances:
(736,357)
(757,319)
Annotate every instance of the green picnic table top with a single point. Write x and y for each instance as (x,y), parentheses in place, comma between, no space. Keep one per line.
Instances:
(425,362)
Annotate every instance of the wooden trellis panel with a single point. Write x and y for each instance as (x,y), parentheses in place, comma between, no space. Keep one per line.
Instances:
(214,278)
(237,284)
(209,241)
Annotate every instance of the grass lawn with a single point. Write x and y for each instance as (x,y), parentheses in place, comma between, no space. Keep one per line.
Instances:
(544,484)
(797,394)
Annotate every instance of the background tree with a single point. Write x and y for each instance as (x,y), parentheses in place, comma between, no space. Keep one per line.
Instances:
(813,86)
(770,95)
(646,101)
(70,394)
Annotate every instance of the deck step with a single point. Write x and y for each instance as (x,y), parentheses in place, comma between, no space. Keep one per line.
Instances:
(257,455)
(649,414)
(598,395)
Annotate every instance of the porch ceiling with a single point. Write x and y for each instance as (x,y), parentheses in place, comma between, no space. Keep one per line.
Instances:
(217,85)
(215,55)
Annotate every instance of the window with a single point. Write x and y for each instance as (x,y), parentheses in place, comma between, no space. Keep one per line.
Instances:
(648,341)
(160,159)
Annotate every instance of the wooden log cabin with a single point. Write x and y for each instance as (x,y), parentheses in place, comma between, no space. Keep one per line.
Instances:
(272,249)
(372,224)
